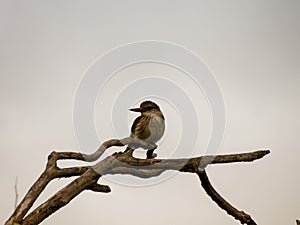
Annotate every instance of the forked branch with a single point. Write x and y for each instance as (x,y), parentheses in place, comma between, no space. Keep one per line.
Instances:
(118,163)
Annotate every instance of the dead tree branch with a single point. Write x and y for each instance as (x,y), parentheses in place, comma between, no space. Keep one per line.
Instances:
(118,163)
(221,202)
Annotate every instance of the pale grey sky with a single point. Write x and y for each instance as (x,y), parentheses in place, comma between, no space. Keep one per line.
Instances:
(253,49)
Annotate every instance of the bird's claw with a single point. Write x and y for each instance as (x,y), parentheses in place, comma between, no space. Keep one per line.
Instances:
(152,156)
(129,152)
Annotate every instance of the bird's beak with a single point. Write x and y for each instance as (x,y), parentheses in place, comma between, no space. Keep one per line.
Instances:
(137,110)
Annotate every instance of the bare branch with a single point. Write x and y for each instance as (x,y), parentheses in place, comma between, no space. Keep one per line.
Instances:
(62,197)
(140,167)
(216,197)
(118,163)
(107,144)
(70,172)
(51,172)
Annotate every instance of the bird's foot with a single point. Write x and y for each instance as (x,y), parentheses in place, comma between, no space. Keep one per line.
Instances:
(129,152)
(150,154)
(154,155)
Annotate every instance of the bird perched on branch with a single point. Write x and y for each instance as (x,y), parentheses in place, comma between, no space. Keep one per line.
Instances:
(149,126)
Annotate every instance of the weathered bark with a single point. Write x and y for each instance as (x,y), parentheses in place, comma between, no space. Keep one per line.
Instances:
(118,163)
(222,203)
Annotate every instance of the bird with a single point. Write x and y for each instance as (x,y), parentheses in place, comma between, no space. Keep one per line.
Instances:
(149,126)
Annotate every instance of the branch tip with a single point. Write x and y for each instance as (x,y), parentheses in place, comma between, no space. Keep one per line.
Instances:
(100,188)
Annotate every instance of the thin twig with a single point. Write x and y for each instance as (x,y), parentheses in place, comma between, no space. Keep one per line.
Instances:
(16,193)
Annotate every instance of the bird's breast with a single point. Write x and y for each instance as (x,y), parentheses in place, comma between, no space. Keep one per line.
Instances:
(156,127)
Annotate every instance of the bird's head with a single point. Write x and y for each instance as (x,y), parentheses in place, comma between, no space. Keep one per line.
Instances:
(146,106)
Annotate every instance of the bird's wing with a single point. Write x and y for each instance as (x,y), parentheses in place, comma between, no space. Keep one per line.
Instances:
(140,128)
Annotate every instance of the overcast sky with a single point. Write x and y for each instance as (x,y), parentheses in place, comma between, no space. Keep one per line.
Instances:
(253,50)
